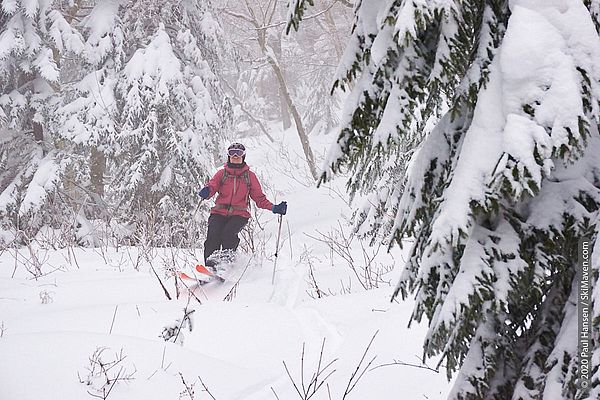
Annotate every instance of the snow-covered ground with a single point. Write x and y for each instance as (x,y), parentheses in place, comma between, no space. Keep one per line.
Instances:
(99,313)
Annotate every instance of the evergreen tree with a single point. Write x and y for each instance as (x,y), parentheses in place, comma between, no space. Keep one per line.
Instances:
(172,113)
(34,38)
(87,117)
(498,192)
(131,119)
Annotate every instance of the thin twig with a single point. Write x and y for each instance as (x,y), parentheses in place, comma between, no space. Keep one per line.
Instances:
(316,381)
(189,389)
(186,316)
(206,388)
(273,390)
(116,379)
(113,319)
(292,379)
(402,363)
(189,289)
(353,381)
(161,283)
(233,291)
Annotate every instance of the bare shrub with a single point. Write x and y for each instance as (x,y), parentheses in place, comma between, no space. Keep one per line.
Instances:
(103,373)
(307,258)
(189,389)
(254,238)
(307,388)
(369,273)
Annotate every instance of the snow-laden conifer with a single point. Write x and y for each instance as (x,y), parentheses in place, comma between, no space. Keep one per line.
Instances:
(114,101)
(171,111)
(146,114)
(498,192)
(87,117)
(34,38)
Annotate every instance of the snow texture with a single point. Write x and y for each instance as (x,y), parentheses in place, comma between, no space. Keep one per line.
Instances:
(52,326)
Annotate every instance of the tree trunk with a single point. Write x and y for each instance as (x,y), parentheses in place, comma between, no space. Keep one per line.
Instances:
(97,169)
(285,113)
(310,158)
(38,133)
(334,34)
(271,58)
(38,136)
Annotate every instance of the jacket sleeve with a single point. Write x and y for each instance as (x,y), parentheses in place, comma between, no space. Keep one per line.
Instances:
(257,194)
(215,182)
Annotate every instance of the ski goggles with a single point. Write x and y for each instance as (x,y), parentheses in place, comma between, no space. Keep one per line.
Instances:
(236,152)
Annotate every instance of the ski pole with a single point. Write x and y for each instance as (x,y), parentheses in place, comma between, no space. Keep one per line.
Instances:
(276,249)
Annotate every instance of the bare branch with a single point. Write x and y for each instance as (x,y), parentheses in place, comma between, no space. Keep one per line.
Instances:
(248,113)
(402,363)
(206,388)
(239,16)
(274,393)
(316,381)
(113,319)
(232,293)
(161,283)
(354,378)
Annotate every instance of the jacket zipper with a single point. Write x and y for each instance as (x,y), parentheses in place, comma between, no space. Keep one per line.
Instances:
(230,208)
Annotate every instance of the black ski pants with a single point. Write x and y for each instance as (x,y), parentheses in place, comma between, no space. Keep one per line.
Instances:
(223,233)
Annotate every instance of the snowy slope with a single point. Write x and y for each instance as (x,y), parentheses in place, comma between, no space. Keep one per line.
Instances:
(109,301)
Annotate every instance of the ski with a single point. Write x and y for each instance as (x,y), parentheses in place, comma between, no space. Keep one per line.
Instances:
(201,269)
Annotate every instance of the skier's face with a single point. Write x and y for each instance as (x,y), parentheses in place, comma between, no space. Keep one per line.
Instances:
(236,159)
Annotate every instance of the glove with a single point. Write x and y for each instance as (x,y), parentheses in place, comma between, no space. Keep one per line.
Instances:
(204,193)
(280,208)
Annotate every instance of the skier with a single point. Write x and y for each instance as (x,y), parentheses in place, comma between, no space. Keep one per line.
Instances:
(235,185)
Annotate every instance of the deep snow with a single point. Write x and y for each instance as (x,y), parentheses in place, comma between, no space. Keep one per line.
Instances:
(90,299)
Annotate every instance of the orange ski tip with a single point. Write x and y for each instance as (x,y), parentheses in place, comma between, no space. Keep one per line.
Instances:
(202,269)
(183,275)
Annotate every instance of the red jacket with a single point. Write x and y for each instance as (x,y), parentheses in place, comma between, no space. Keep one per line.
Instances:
(234,195)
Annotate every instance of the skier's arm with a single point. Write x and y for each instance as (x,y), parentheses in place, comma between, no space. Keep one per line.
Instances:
(257,194)
(215,182)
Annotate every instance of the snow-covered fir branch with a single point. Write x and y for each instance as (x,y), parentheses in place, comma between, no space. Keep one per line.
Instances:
(116,108)
(474,124)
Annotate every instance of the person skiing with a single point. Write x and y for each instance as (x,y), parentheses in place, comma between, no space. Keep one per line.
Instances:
(235,185)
